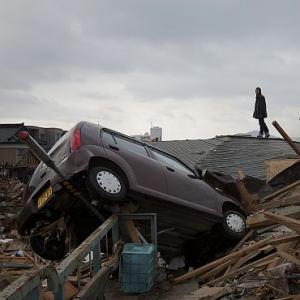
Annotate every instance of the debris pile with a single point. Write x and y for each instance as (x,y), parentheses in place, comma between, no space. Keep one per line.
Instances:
(265,264)
(11,191)
(16,258)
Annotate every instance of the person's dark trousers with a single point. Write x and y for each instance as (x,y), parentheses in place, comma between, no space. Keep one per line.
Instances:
(263,126)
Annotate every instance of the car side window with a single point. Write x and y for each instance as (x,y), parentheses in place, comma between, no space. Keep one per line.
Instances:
(129,145)
(171,161)
(107,138)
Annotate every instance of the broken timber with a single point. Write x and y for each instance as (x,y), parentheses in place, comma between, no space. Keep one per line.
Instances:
(283,220)
(281,202)
(269,241)
(260,218)
(286,137)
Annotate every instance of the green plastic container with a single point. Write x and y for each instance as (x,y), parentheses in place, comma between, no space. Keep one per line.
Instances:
(137,267)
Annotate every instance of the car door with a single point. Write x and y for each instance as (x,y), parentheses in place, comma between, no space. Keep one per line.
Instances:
(148,173)
(183,184)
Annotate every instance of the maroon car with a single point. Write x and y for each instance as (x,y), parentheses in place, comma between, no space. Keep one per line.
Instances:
(109,169)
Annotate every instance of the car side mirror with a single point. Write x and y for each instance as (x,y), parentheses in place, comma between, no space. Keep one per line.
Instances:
(198,173)
(193,176)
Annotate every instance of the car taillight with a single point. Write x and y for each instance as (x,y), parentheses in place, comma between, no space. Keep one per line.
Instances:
(75,141)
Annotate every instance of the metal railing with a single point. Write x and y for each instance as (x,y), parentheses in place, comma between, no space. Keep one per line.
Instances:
(28,287)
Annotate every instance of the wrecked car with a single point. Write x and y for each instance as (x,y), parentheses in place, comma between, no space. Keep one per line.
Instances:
(109,169)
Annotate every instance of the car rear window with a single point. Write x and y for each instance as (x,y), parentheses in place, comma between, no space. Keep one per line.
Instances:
(61,148)
(129,145)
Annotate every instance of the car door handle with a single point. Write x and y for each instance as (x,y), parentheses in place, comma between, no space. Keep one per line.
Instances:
(114,147)
(170,169)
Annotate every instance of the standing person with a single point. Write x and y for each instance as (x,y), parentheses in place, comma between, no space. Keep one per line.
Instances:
(260,113)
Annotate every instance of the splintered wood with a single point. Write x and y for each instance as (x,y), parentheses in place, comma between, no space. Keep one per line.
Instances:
(265,264)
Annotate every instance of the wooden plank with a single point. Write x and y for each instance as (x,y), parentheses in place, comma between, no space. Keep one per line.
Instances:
(288,257)
(246,268)
(282,190)
(243,260)
(129,227)
(260,219)
(209,293)
(217,270)
(286,137)
(202,270)
(246,198)
(239,244)
(295,199)
(274,263)
(243,240)
(284,220)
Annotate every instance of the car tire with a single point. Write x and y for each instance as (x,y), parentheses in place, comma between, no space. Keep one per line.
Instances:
(234,224)
(107,184)
(48,246)
(53,250)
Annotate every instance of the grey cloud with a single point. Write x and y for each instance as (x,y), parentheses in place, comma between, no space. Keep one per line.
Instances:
(171,49)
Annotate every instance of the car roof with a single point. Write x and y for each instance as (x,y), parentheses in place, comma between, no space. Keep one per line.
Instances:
(148,145)
(145,144)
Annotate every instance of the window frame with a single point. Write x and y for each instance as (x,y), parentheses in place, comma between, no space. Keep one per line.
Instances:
(115,135)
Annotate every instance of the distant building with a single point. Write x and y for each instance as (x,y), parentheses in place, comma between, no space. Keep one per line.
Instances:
(142,137)
(156,133)
(46,137)
(15,152)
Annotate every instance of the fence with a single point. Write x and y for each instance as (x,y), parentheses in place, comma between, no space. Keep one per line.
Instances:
(29,287)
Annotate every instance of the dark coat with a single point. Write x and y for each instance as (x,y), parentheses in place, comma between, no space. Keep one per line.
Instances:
(260,110)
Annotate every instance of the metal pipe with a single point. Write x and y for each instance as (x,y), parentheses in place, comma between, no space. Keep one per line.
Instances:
(286,137)
(39,152)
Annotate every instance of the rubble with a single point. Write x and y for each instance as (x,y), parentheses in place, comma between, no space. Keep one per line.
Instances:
(11,191)
(16,257)
(266,262)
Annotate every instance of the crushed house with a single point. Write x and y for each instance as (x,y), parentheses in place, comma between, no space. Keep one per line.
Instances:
(227,154)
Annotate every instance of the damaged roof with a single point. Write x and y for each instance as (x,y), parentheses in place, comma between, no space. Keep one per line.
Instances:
(8,133)
(227,154)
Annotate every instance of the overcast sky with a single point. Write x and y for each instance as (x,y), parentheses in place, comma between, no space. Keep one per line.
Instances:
(190,67)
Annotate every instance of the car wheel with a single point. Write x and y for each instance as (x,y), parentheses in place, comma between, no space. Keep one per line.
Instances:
(107,184)
(49,246)
(234,224)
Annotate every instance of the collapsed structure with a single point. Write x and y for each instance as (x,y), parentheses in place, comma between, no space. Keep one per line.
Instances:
(265,263)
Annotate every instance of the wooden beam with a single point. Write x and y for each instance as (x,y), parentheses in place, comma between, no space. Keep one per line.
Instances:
(202,270)
(218,269)
(286,137)
(264,260)
(260,219)
(282,190)
(129,226)
(288,257)
(246,198)
(243,240)
(295,199)
(239,244)
(244,259)
(284,220)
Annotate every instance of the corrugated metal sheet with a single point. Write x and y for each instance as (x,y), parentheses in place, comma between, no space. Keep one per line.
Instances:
(227,154)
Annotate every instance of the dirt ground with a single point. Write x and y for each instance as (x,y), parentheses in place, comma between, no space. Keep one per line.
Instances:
(163,292)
